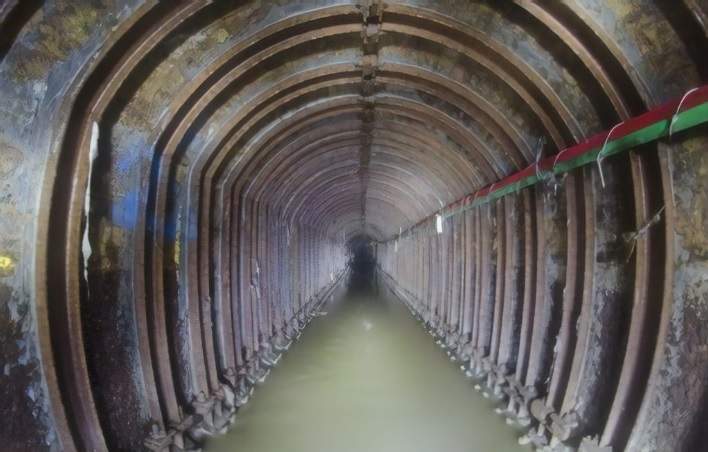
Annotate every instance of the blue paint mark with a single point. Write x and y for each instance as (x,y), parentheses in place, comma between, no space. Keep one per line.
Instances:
(170,231)
(125,210)
(125,163)
(192,228)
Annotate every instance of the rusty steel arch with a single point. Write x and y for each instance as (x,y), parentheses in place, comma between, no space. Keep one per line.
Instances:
(185,182)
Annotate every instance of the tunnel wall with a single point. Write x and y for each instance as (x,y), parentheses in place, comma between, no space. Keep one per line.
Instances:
(180,182)
(152,298)
(563,314)
(551,312)
(566,301)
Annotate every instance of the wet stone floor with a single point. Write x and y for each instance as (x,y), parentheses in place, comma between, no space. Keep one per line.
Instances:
(366,377)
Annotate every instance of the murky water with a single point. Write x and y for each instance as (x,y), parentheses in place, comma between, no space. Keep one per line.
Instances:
(366,377)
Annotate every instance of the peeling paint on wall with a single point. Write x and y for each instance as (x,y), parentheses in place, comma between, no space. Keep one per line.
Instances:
(86,243)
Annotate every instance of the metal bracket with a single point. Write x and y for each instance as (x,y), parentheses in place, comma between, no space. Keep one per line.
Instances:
(566,426)
(369,64)
(372,10)
(589,444)
(541,411)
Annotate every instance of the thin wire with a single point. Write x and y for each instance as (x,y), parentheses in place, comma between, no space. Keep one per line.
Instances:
(675,117)
(601,155)
(489,194)
(489,209)
(555,161)
(539,152)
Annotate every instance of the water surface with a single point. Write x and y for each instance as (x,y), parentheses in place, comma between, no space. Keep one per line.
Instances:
(366,377)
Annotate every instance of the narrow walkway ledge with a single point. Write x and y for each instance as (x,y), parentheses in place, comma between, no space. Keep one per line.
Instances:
(366,377)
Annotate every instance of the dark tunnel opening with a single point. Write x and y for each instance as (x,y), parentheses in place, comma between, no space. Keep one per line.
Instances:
(362,266)
(186,186)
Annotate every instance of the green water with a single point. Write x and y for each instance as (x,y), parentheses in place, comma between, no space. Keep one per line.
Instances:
(366,377)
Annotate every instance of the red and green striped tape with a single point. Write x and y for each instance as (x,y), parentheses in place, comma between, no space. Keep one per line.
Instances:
(688,112)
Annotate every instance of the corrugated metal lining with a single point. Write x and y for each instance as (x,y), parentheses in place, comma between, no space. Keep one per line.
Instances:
(243,146)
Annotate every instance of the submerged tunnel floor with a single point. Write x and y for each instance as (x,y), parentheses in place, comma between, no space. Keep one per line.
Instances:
(366,377)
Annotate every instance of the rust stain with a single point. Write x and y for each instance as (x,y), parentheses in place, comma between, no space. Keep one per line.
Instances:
(7,265)
(62,34)
(691,165)
(112,239)
(58,34)
(11,159)
(173,73)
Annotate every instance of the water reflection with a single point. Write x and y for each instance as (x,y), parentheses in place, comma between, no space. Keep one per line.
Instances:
(366,377)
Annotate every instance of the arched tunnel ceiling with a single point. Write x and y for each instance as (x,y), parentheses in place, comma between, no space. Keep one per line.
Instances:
(214,101)
(141,140)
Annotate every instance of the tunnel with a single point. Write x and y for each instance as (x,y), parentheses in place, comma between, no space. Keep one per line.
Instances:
(185,185)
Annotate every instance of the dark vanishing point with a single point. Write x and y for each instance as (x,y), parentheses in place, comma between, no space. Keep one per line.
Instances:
(354,225)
